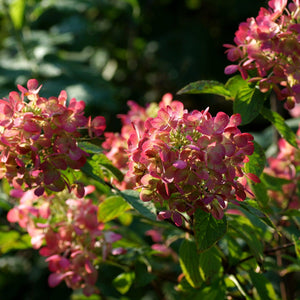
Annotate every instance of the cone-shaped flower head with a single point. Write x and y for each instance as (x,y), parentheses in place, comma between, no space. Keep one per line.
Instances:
(188,160)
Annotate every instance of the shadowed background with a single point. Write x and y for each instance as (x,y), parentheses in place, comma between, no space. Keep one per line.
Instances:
(106,52)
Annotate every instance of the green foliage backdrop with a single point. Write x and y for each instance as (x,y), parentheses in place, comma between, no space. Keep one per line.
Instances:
(106,52)
(109,51)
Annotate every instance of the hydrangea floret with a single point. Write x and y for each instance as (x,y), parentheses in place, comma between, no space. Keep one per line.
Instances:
(189,160)
(66,230)
(39,138)
(267,50)
(286,165)
(116,144)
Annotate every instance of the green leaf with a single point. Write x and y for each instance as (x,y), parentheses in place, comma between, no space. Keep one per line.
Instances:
(253,208)
(4,204)
(239,287)
(146,209)
(111,208)
(189,262)
(208,230)
(263,287)
(234,84)
(233,247)
(210,263)
(278,121)
(257,161)
(90,147)
(99,166)
(274,183)
(248,103)
(17,12)
(290,213)
(101,161)
(297,246)
(242,228)
(123,282)
(260,192)
(13,240)
(214,291)
(206,87)
(80,296)
(90,171)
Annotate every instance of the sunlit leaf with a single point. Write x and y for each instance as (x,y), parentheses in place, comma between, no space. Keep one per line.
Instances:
(257,161)
(208,230)
(17,11)
(248,103)
(79,296)
(241,227)
(111,208)
(89,171)
(189,262)
(297,246)
(13,240)
(90,147)
(214,291)
(260,192)
(279,123)
(253,208)
(210,263)
(274,183)
(234,84)
(101,161)
(123,282)
(263,287)
(239,287)
(99,166)
(146,209)
(206,87)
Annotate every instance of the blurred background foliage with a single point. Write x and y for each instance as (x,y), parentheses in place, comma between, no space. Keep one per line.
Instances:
(106,52)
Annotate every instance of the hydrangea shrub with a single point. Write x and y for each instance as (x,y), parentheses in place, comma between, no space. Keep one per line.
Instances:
(179,203)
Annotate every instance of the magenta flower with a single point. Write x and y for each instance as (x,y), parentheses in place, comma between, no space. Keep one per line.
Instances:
(184,161)
(286,166)
(267,50)
(39,138)
(66,230)
(116,144)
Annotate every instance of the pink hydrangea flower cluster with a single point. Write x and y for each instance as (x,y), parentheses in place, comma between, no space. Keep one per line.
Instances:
(66,230)
(116,145)
(39,138)
(189,160)
(286,165)
(268,49)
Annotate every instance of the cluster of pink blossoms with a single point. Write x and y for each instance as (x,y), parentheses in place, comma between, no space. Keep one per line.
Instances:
(185,161)
(116,144)
(39,138)
(268,49)
(286,166)
(66,230)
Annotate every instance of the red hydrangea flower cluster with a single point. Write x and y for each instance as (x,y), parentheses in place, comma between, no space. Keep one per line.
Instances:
(286,165)
(116,144)
(39,138)
(185,161)
(268,49)
(66,230)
